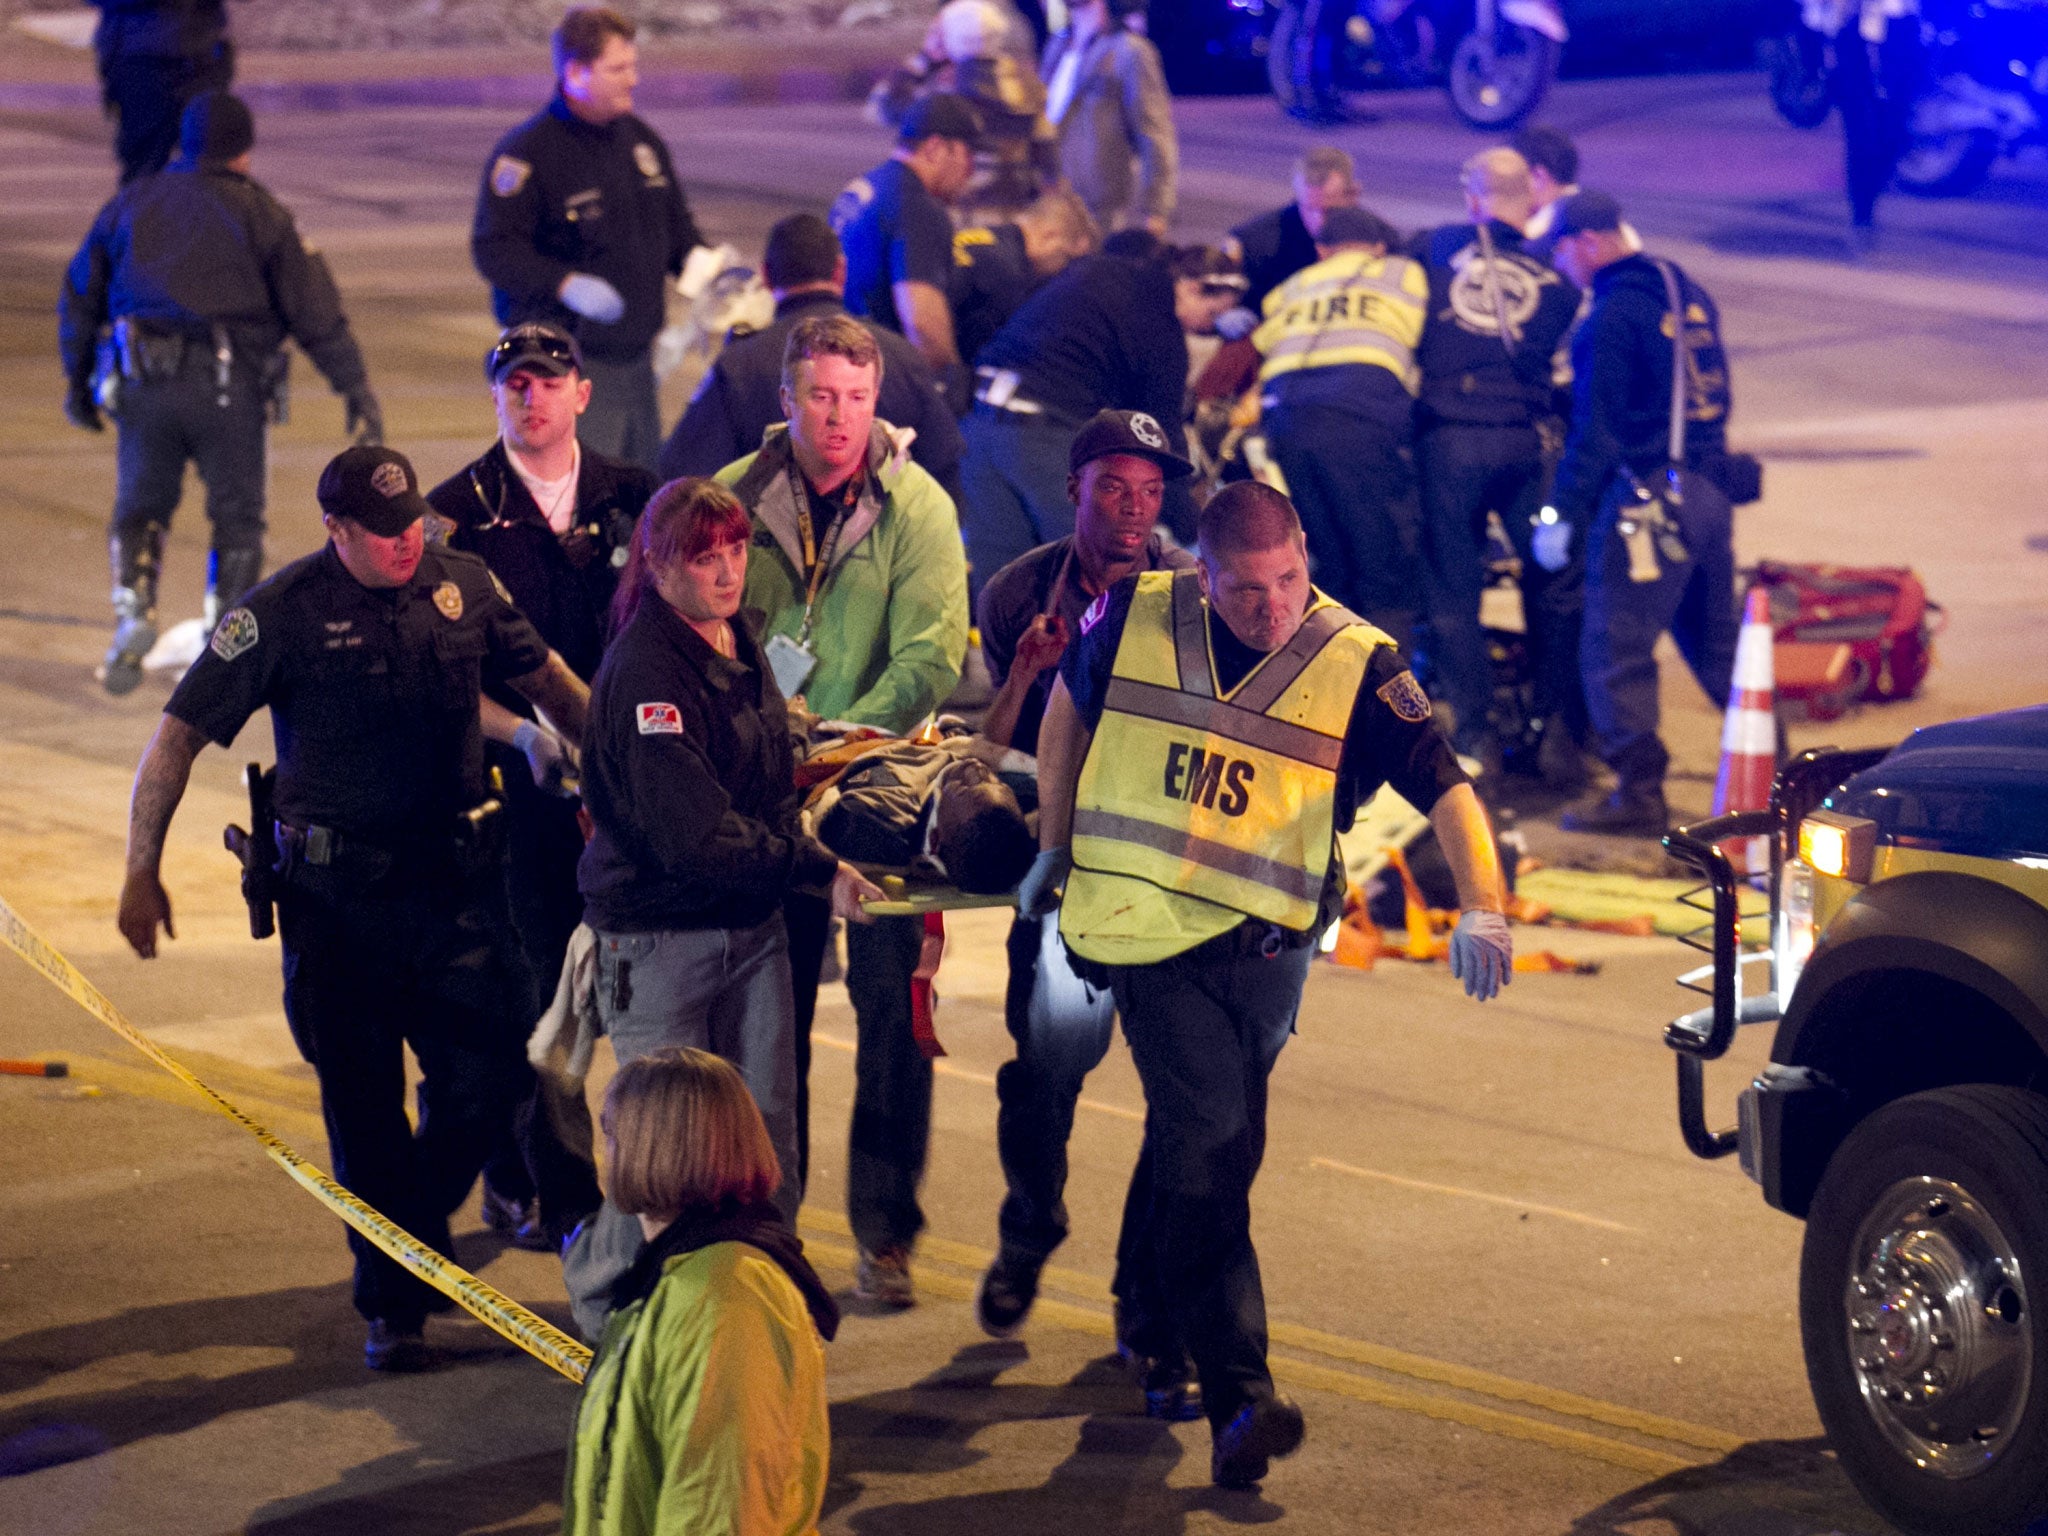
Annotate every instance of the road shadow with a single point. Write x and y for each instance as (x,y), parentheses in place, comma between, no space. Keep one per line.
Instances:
(1767,1488)
(1114,1478)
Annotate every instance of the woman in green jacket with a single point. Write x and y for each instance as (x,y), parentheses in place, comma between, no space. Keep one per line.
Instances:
(704,1409)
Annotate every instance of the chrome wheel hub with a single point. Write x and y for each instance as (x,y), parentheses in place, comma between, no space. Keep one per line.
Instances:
(1941,1333)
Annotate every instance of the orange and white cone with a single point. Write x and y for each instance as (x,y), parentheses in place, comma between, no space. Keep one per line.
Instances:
(1749,735)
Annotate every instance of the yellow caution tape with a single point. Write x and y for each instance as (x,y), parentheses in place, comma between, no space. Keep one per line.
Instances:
(497,1311)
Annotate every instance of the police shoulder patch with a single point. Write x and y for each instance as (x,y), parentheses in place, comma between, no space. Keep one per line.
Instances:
(1404,696)
(235,634)
(508,175)
(1095,612)
(660,720)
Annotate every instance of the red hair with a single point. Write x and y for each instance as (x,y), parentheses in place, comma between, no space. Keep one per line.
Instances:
(683,519)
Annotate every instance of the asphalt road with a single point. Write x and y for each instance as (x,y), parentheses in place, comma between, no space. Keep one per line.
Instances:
(1507,1297)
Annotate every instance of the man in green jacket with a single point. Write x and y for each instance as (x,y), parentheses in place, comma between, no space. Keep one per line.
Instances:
(860,577)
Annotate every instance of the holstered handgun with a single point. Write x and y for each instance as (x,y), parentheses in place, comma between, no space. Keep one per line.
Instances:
(257,849)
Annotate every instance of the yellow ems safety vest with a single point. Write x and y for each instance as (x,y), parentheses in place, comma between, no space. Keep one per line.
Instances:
(1353,308)
(1195,808)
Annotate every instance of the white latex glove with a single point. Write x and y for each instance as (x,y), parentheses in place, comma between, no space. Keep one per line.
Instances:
(1551,545)
(547,757)
(1482,953)
(671,342)
(702,265)
(592,297)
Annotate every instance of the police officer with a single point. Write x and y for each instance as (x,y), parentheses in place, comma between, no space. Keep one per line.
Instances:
(580,222)
(1211,732)
(154,57)
(898,233)
(740,398)
(201,275)
(1110,332)
(1274,246)
(1029,612)
(1657,534)
(1496,315)
(997,267)
(1336,399)
(553,520)
(390,893)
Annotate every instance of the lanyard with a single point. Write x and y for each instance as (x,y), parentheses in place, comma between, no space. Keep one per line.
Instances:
(816,561)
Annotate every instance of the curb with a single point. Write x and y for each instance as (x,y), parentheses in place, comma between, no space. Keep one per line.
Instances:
(658,90)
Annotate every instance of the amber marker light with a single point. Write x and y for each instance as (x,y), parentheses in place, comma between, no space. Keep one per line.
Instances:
(1838,845)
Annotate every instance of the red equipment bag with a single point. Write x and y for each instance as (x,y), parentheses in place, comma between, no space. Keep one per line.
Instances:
(1880,613)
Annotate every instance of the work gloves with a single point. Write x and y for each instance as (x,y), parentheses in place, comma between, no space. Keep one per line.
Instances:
(592,297)
(1038,894)
(1482,954)
(364,418)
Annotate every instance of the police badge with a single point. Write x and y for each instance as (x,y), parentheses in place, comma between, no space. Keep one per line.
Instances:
(1404,696)
(509,175)
(448,598)
(649,163)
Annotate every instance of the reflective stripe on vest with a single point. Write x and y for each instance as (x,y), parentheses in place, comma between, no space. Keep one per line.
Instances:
(1352,308)
(1196,809)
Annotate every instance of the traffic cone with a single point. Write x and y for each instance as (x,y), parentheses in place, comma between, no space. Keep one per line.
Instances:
(1749,735)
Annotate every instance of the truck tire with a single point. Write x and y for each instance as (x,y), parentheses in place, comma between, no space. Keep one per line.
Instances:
(1919,1283)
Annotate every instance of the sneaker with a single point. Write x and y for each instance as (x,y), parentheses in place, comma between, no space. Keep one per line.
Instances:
(1006,1293)
(397,1347)
(1171,1393)
(883,1277)
(519,1220)
(1264,1428)
(1623,813)
(121,672)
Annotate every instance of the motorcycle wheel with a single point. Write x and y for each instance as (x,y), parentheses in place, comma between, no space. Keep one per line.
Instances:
(1946,164)
(1802,85)
(1496,86)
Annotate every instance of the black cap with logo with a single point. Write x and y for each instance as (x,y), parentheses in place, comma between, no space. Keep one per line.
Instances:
(535,346)
(1132,432)
(374,487)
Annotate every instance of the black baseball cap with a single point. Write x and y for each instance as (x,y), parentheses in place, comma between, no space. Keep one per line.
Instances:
(1357,226)
(216,125)
(1126,432)
(535,346)
(941,115)
(1586,213)
(372,486)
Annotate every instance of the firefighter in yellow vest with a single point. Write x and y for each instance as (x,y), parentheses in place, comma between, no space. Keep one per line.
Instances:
(1337,401)
(1211,732)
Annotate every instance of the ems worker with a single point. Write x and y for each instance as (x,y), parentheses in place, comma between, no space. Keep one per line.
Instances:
(857,571)
(1274,246)
(553,520)
(1211,732)
(740,398)
(1336,400)
(1109,333)
(997,267)
(1657,535)
(898,233)
(1029,612)
(688,774)
(202,275)
(1496,315)
(390,888)
(580,222)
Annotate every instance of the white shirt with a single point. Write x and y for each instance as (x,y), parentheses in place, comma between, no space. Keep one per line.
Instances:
(555,498)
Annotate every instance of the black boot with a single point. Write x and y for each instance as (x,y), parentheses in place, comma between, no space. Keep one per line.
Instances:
(1559,758)
(1631,810)
(229,574)
(137,558)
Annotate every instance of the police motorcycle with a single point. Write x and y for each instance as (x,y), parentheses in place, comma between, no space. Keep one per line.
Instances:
(1983,82)
(1496,58)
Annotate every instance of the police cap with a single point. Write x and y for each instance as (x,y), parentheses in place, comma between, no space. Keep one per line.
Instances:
(1131,432)
(374,487)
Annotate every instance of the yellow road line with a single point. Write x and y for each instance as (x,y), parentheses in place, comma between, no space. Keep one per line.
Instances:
(1301,1373)
(1510,1201)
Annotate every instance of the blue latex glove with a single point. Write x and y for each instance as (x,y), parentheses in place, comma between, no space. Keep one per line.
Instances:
(592,297)
(1482,954)
(1551,545)
(1038,893)
(1236,324)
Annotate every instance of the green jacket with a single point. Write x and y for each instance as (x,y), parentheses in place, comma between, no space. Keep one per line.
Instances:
(890,624)
(704,1410)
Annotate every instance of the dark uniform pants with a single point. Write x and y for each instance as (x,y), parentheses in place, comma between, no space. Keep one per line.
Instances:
(892,1091)
(422,959)
(149,93)
(1014,478)
(1693,598)
(1205,1028)
(165,422)
(1468,471)
(1351,481)
(624,418)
